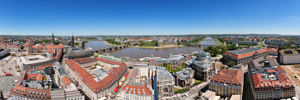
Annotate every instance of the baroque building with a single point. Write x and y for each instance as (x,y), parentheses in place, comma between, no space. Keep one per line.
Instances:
(204,66)
(184,78)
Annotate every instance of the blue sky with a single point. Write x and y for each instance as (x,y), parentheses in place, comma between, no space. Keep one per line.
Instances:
(149,17)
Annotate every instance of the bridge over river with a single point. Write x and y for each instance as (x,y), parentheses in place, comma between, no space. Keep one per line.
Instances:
(101,47)
(102,50)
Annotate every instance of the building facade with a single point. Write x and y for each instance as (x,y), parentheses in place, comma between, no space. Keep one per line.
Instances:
(96,77)
(175,60)
(3,52)
(289,56)
(30,62)
(34,84)
(244,56)
(227,82)
(272,50)
(165,81)
(277,42)
(269,81)
(297,41)
(139,86)
(184,78)
(204,66)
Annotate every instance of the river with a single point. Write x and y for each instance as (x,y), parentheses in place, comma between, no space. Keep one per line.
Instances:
(136,53)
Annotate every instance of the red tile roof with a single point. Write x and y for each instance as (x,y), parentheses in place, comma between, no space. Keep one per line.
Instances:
(245,54)
(37,77)
(28,92)
(147,91)
(229,76)
(89,78)
(43,67)
(268,85)
(67,81)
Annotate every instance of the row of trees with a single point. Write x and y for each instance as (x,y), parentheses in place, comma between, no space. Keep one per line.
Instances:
(197,40)
(152,43)
(229,64)
(45,41)
(216,50)
(112,41)
(169,67)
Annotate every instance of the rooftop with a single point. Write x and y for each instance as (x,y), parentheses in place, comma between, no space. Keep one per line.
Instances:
(138,88)
(33,59)
(241,53)
(230,77)
(267,78)
(91,75)
(235,97)
(290,51)
(244,51)
(163,74)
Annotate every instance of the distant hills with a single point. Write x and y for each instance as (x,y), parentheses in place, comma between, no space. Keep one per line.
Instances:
(251,34)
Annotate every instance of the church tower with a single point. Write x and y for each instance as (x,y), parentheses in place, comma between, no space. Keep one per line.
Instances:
(52,38)
(72,41)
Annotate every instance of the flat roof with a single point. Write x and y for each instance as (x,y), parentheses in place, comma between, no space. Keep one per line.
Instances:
(243,51)
(33,59)
(235,97)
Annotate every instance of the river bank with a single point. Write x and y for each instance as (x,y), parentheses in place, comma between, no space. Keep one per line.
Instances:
(150,47)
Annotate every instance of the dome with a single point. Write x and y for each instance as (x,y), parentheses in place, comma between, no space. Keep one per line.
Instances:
(186,72)
(201,55)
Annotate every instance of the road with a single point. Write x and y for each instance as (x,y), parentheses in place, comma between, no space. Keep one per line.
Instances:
(194,91)
(9,66)
(187,95)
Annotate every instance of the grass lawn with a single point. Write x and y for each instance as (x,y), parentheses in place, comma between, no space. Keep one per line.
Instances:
(146,46)
(181,90)
(218,41)
(197,82)
(175,89)
(113,44)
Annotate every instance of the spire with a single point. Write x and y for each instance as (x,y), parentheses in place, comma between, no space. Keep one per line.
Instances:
(52,38)
(72,41)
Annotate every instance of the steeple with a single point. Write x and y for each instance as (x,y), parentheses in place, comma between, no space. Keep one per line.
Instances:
(72,41)
(52,38)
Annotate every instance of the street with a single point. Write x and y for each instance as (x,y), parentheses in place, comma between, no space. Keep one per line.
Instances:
(8,65)
(187,95)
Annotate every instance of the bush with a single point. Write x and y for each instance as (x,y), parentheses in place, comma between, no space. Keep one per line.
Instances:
(183,65)
(230,63)
(223,67)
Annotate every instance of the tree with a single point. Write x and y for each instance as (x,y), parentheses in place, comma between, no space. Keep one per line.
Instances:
(213,50)
(76,44)
(183,65)
(223,49)
(223,67)
(56,42)
(178,43)
(230,63)
(168,67)
(22,47)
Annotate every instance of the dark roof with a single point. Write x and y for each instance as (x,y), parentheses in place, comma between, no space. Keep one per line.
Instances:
(79,54)
(243,51)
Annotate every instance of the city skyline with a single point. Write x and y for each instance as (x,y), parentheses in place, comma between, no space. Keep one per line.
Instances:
(149,17)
